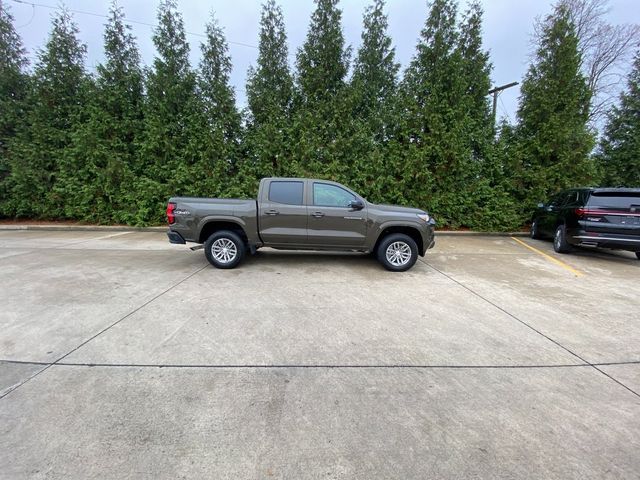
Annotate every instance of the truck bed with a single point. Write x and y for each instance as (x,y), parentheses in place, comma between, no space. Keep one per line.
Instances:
(191,213)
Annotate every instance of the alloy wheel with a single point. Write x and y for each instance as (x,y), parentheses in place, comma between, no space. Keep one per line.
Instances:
(224,250)
(398,254)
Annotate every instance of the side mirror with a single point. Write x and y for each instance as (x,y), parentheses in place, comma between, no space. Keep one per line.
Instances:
(356,204)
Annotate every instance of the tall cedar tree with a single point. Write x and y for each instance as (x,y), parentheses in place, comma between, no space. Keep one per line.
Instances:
(322,119)
(433,136)
(165,154)
(373,89)
(491,208)
(620,146)
(13,90)
(269,97)
(218,141)
(56,105)
(375,70)
(553,140)
(104,146)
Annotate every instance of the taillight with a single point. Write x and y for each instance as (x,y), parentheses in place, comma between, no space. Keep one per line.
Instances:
(590,214)
(171,218)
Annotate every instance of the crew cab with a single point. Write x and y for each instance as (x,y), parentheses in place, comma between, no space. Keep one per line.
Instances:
(300,214)
(592,217)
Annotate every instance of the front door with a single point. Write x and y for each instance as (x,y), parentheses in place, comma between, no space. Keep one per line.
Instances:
(332,222)
(549,218)
(283,214)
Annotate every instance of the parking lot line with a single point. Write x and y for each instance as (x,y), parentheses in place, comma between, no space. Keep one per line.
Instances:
(577,273)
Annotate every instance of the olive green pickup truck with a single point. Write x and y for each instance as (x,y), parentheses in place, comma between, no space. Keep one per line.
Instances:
(300,214)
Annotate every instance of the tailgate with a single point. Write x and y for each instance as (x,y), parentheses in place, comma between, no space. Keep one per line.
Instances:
(615,213)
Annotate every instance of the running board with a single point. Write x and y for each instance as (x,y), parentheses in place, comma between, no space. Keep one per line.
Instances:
(197,247)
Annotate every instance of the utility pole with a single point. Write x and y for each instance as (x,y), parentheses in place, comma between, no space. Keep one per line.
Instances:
(495,91)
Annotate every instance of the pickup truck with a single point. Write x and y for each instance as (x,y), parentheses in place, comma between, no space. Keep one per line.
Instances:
(301,214)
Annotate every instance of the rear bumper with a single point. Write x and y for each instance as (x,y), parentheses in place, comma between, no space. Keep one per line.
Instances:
(175,237)
(605,240)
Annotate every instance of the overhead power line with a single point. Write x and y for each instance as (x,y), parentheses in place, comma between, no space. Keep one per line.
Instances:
(100,15)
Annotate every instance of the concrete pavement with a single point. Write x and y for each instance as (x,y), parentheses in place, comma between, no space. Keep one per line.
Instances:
(126,357)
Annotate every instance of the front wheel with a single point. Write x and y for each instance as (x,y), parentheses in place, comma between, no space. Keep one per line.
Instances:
(535,230)
(560,243)
(397,252)
(224,249)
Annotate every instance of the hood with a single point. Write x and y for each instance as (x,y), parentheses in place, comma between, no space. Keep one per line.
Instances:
(396,208)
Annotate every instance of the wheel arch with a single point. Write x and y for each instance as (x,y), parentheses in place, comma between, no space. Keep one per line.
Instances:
(408,230)
(213,225)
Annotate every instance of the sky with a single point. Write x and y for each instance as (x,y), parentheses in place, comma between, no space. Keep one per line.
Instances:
(508,25)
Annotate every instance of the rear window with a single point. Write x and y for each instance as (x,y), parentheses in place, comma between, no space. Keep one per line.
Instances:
(614,200)
(289,193)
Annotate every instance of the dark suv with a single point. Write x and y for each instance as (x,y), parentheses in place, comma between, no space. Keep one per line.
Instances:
(594,217)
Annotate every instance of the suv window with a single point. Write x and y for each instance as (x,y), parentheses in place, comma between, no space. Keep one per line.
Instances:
(572,198)
(325,195)
(289,193)
(558,199)
(614,199)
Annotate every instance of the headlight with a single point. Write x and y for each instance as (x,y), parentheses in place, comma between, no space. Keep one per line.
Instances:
(424,216)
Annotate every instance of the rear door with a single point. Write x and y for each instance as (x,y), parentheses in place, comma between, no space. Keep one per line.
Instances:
(283,213)
(613,212)
(332,223)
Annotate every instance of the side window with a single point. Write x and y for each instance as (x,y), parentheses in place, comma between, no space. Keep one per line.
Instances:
(325,195)
(570,198)
(557,200)
(289,193)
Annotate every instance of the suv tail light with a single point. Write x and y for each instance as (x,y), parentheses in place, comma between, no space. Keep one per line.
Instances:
(171,218)
(590,214)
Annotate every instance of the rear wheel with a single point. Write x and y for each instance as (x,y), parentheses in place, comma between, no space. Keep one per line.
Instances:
(560,243)
(397,252)
(638,255)
(535,230)
(224,249)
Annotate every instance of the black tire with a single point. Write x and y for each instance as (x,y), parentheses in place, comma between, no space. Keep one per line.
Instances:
(535,230)
(220,240)
(638,255)
(560,243)
(399,265)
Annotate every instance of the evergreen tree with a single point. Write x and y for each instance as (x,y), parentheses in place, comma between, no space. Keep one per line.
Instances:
(619,158)
(491,205)
(56,104)
(476,71)
(322,119)
(433,136)
(322,61)
(552,134)
(13,90)
(102,159)
(166,153)
(373,88)
(269,97)
(375,70)
(219,147)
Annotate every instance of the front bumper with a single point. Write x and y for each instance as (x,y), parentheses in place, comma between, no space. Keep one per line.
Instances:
(428,233)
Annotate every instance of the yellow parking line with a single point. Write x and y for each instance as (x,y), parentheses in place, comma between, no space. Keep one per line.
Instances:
(577,273)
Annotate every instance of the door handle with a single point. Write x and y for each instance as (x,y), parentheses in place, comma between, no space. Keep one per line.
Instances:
(317,214)
(271,212)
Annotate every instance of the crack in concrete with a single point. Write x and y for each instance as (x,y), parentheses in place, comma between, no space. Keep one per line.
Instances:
(50,364)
